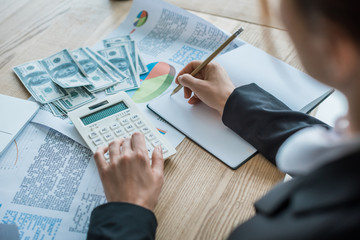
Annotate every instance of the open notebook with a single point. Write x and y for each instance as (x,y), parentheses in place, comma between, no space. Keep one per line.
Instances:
(244,65)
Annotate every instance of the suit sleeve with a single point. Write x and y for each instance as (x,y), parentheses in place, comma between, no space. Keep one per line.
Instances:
(263,120)
(119,220)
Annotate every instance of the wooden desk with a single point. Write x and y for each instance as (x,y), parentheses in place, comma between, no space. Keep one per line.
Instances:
(201,198)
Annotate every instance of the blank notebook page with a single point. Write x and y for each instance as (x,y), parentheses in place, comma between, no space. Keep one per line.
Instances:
(204,126)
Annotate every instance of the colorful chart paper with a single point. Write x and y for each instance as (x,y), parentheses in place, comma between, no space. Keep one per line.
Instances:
(154,83)
(141,18)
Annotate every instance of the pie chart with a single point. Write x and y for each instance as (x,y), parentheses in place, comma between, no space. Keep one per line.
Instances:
(154,83)
(141,18)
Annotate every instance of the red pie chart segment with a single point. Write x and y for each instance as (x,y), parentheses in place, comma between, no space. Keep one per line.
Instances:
(155,82)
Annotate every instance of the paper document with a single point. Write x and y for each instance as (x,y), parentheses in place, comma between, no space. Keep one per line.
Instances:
(50,185)
(168,38)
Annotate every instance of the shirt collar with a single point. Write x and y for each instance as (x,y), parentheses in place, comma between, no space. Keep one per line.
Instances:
(315,146)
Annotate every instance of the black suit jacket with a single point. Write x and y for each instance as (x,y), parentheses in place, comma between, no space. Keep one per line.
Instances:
(324,204)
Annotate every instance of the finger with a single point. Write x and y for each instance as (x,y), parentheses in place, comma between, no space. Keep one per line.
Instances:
(194,100)
(187,92)
(138,142)
(114,148)
(100,159)
(158,160)
(191,83)
(126,147)
(188,69)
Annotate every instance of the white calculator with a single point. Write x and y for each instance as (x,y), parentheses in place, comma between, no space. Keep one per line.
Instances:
(116,116)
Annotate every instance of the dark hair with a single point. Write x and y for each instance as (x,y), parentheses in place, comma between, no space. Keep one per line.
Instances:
(342,12)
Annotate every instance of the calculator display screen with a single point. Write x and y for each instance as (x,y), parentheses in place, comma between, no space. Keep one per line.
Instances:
(103,113)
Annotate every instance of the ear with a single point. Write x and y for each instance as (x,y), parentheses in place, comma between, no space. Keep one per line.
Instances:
(343,55)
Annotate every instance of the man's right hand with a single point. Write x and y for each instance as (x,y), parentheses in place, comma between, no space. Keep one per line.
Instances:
(211,85)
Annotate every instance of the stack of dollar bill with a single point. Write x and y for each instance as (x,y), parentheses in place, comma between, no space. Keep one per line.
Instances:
(68,79)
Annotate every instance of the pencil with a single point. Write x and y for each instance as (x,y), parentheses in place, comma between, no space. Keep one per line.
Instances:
(211,57)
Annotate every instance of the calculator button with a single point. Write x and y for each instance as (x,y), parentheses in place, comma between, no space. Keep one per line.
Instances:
(164,149)
(108,137)
(97,141)
(149,149)
(93,135)
(130,128)
(125,112)
(134,117)
(131,133)
(145,130)
(106,155)
(156,143)
(150,137)
(114,126)
(119,132)
(94,127)
(127,136)
(124,121)
(139,123)
(104,130)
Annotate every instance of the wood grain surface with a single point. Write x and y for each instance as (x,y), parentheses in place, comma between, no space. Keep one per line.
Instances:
(242,10)
(201,197)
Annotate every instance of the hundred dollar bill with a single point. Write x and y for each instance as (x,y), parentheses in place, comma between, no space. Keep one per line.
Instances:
(57,105)
(64,70)
(120,58)
(142,65)
(97,75)
(114,40)
(130,46)
(38,82)
(141,68)
(56,111)
(123,83)
(119,76)
(118,88)
(77,97)
(134,54)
